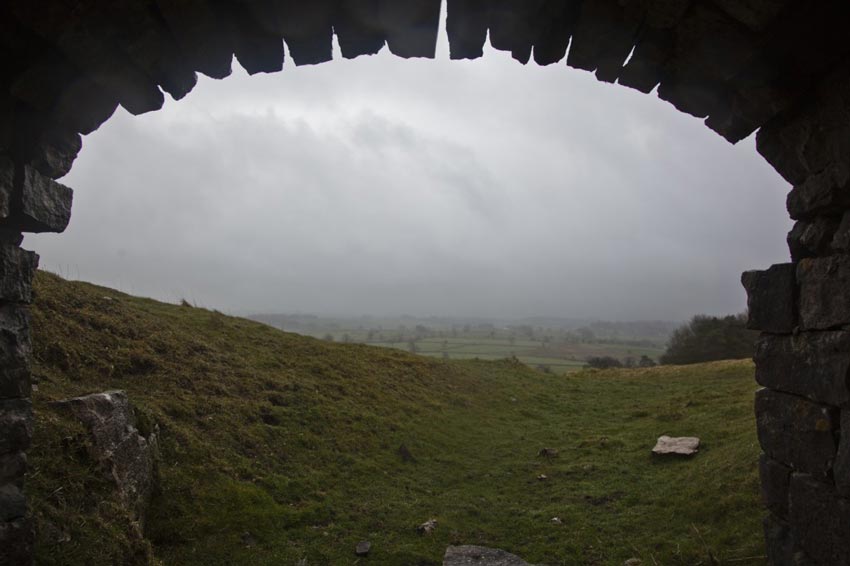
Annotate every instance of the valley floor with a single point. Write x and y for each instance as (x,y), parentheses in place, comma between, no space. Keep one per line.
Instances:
(282,449)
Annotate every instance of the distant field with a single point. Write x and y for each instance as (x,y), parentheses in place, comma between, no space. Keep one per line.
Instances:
(277,449)
(557,358)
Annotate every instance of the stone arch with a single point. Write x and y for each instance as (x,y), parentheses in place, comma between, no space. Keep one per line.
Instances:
(777,66)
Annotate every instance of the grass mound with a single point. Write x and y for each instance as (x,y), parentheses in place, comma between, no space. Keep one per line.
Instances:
(281,449)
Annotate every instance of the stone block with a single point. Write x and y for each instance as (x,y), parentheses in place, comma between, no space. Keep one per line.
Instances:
(811,239)
(815,365)
(819,520)
(16,540)
(15,383)
(841,469)
(841,237)
(56,151)
(775,478)
(824,292)
(13,504)
(45,204)
(17,268)
(15,425)
(797,432)
(7,186)
(770,298)
(826,192)
(779,542)
(12,468)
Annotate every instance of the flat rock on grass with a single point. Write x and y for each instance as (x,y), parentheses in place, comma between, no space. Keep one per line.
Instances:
(467,555)
(676,446)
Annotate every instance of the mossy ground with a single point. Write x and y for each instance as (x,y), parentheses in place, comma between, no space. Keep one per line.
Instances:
(281,449)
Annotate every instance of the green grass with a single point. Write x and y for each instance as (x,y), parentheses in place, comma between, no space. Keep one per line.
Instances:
(295,441)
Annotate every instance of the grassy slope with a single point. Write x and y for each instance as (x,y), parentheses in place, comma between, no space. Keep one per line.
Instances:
(295,441)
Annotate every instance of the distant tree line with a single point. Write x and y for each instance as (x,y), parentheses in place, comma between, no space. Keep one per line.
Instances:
(709,338)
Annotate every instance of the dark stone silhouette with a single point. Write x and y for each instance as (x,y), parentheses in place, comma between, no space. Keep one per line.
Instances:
(779,67)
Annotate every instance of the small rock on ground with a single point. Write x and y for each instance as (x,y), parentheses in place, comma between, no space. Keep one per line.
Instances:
(363,548)
(468,555)
(679,446)
(427,527)
(633,562)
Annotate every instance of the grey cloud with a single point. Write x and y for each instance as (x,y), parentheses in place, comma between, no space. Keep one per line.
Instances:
(426,187)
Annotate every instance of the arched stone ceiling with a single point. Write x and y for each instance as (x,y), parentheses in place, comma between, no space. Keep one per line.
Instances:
(67,65)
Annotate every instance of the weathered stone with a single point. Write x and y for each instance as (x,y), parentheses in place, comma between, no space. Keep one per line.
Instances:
(56,151)
(820,520)
(117,445)
(17,268)
(15,383)
(602,40)
(203,37)
(841,237)
(770,298)
(775,478)
(45,204)
(15,425)
(15,349)
(779,542)
(16,542)
(466,26)
(357,30)
(13,505)
(12,468)
(824,292)
(676,446)
(84,105)
(644,70)
(796,432)
(815,365)
(468,555)
(841,469)
(7,183)
(809,144)
(824,192)
(755,14)
(411,26)
(810,239)
(363,547)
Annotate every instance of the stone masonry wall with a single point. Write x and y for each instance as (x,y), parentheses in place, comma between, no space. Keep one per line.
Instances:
(739,65)
(803,355)
(31,201)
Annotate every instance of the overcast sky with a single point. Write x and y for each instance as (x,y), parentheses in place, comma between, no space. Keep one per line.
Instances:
(390,186)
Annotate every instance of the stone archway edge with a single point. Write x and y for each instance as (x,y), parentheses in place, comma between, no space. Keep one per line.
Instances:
(777,66)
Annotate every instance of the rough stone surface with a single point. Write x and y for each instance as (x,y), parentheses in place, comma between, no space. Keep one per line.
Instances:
(779,542)
(770,298)
(7,179)
(15,425)
(676,446)
(17,268)
(16,542)
(841,469)
(841,237)
(12,468)
(468,555)
(56,151)
(775,479)
(12,503)
(45,204)
(820,520)
(810,239)
(796,432)
(815,365)
(363,547)
(115,443)
(824,292)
